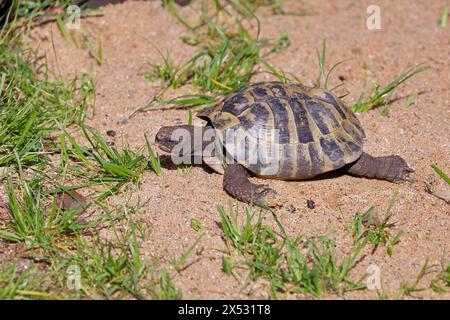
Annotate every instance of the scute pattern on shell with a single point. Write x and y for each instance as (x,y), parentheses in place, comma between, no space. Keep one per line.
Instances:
(317,132)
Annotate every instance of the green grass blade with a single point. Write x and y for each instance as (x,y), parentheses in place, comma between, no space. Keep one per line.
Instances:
(443,18)
(154,159)
(441,174)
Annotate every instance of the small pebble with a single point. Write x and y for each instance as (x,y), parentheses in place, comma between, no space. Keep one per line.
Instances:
(111,133)
(71,200)
(310,204)
(291,208)
(182,2)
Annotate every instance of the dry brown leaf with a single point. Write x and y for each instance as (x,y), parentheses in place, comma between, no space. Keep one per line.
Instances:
(71,200)
(5,212)
(371,218)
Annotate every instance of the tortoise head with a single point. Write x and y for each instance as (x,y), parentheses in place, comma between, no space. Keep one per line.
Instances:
(182,139)
(170,136)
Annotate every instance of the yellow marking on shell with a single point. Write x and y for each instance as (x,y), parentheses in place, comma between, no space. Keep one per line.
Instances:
(260,129)
(293,137)
(315,131)
(291,89)
(225,120)
(349,155)
(292,159)
(302,155)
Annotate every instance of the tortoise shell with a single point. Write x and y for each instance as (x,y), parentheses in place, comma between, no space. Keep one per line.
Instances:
(298,131)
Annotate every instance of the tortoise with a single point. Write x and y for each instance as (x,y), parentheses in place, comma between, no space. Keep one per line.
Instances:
(316,133)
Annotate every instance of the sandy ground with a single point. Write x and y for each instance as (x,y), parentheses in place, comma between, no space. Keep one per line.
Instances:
(420,134)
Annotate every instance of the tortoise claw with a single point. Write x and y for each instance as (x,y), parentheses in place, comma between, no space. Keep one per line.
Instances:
(266,197)
(403,170)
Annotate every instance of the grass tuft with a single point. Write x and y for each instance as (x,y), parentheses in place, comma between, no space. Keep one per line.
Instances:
(30,108)
(367,225)
(22,285)
(290,265)
(379,97)
(106,161)
(441,283)
(34,219)
(226,61)
(323,78)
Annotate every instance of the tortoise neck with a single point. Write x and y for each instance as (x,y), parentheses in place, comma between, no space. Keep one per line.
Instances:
(199,135)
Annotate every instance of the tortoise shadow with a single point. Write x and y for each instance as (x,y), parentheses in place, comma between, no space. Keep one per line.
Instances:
(328,175)
(167,163)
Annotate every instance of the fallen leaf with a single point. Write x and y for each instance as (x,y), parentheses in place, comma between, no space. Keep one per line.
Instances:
(71,200)
(370,218)
(5,212)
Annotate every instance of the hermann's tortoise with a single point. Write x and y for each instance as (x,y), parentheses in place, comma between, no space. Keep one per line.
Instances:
(280,131)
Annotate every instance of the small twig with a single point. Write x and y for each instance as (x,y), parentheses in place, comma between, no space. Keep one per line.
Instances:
(141,108)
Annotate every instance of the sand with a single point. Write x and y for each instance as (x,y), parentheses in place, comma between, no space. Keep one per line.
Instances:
(420,134)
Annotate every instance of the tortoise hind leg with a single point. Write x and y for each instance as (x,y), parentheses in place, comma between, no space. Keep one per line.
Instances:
(391,168)
(237,184)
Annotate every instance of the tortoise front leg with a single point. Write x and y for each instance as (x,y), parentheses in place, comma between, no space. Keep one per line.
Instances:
(237,184)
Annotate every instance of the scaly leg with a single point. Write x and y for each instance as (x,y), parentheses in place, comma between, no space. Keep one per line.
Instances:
(391,168)
(237,184)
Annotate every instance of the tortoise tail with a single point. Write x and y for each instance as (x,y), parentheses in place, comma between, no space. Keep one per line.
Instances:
(391,168)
